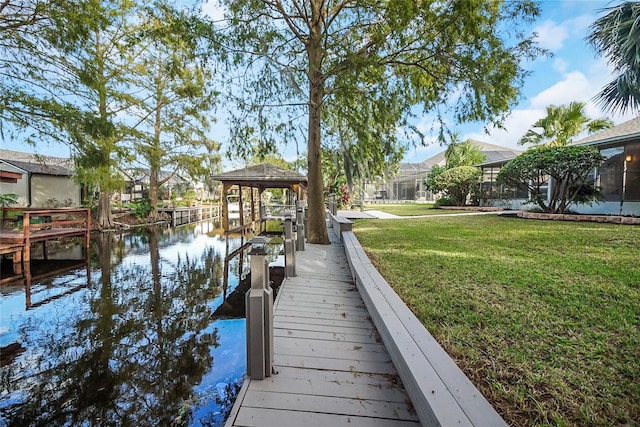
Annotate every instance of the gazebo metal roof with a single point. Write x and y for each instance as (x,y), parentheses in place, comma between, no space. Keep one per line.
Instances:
(259,177)
(264,175)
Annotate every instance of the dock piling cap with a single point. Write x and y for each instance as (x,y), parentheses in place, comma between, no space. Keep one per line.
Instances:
(257,245)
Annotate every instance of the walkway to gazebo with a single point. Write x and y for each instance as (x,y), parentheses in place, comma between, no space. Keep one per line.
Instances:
(256,179)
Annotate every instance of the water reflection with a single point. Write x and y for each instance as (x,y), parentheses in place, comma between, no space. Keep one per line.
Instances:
(139,344)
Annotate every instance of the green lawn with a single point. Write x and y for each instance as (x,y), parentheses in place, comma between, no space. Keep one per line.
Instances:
(409,209)
(543,316)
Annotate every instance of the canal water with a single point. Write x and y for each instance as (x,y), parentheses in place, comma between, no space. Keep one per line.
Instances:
(150,333)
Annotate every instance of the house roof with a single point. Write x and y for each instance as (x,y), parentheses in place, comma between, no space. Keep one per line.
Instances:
(413,167)
(620,133)
(494,153)
(142,175)
(437,159)
(265,175)
(40,169)
(36,158)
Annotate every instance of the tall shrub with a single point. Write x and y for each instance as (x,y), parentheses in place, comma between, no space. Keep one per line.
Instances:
(457,182)
(565,168)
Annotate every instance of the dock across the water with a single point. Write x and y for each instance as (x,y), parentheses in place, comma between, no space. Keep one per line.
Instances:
(20,227)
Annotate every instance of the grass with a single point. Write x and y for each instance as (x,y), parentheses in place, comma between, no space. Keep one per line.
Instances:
(544,317)
(409,209)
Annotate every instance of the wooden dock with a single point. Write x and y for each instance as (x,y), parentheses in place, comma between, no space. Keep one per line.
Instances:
(187,215)
(332,368)
(20,227)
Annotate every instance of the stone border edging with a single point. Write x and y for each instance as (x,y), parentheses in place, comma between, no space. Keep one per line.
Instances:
(440,392)
(611,219)
(473,208)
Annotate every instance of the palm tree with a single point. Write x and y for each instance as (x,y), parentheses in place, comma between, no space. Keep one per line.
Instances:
(561,124)
(616,37)
(463,153)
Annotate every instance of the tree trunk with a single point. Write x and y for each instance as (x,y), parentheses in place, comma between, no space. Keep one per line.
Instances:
(317,222)
(154,152)
(153,195)
(105,220)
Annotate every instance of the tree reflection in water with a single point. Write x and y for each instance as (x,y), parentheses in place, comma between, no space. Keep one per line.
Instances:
(135,348)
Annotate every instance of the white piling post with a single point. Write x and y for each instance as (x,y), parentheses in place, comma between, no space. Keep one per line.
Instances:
(289,248)
(259,313)
(306,225)
(300,226)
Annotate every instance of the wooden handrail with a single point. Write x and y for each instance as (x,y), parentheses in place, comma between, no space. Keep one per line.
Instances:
(71,222)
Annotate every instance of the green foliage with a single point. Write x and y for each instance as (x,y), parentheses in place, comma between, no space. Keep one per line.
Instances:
(8,199)
(141,209)
(28,31)
(445,201)
(332,171)
(457,182)
(616,37)
(561,124)
(431,181)
(74,85)
(369,149)
(273,159)
(359,71)
(174,71)
(464,153)
(569,166)
(113,79)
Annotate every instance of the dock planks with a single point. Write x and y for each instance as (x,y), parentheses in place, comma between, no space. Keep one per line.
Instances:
(332,368)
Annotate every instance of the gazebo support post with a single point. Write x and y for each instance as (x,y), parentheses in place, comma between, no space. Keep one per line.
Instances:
(241,209)
(225,207)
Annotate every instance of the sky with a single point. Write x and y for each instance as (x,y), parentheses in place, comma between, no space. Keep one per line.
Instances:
(572,73)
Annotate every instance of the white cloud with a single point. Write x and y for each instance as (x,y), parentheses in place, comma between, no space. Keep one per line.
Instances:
(515,126)
(578,26)
(560,65)
(551,36)
(213,9)
(575,86)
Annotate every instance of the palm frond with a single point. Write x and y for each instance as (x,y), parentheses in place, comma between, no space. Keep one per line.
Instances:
(616,37)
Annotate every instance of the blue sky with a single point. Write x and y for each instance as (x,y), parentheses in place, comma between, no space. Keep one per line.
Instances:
(571,74)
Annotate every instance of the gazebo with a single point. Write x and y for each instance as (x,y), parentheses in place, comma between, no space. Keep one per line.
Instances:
(256,179)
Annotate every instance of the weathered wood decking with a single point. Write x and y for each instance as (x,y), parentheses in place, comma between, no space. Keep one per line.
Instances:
(16,238)
(332,369)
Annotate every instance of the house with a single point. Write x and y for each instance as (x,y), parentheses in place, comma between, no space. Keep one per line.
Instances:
(618,178)
(137,181)
(408,183)
(39,181)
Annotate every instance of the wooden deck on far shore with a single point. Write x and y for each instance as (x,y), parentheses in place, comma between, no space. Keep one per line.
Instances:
(332,369)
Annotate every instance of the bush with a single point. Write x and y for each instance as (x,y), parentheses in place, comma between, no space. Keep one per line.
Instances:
(457,182)
(141,209)
(344,197)
(445,201)
(8,199)
(569,166)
